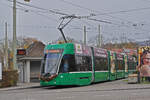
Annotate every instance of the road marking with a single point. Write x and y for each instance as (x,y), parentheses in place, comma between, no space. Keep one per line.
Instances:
(134,93)
(66,97)
(101,95)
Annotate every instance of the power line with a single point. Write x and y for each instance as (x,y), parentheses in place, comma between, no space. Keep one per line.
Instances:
(40,8)
(33,11)
(60,13)
(125,11)
(74,27)
(76,5)
(106,14)
(68,2)
(64,14)
(39,13)
(99,13)
(48,17)
(52,11)
(36,12)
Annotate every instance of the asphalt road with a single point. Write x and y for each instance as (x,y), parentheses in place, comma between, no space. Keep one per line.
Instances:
(115,90)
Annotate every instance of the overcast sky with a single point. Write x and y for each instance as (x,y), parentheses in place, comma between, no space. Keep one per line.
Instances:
(131,20)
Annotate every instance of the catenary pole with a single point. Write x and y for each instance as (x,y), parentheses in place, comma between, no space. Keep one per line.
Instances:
(14,36)
(99,37)
(6,47)
(84,35)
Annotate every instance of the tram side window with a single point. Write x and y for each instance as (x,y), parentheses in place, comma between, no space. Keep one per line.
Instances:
(101,64)
(67,64)
(72,65)
(120,65)
(131,65)
(135,64)
(83,63)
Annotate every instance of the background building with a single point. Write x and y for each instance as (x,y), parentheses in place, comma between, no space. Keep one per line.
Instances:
(29,64)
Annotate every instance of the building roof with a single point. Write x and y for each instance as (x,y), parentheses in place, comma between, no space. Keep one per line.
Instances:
(34,51)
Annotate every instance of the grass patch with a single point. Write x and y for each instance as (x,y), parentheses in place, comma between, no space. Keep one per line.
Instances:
(145,82)
(125,80)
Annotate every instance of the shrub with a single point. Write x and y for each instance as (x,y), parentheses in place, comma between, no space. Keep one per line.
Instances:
(9,78)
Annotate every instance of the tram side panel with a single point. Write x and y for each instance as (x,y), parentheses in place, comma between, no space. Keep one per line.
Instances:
(126,65)
(112,65)
(131,65)
(120,65)
(101,69)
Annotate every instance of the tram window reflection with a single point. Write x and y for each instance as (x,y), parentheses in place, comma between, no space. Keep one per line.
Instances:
(120,65)
(83,63)
(101,64)
(67,64)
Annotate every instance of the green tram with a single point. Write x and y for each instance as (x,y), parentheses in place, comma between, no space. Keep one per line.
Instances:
(76,64)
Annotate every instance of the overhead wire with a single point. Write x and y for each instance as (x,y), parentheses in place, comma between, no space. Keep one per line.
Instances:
(106,14)
(40,8)
(55,12)
(60,13)
(36,12)
(39,13)
(85,8)
(80,17)
(76,5)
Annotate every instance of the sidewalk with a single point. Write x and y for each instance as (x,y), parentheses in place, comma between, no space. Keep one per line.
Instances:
(21,86)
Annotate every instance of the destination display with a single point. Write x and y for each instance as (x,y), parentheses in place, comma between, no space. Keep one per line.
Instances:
(53,51)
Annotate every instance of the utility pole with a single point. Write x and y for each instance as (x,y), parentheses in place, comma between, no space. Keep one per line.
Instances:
(99,37)
(14,36)
(6,48)
(84,35)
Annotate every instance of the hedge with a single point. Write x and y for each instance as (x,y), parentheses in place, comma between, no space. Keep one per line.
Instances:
(9,78)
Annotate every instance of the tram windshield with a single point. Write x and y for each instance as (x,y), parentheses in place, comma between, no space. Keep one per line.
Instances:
(51,62)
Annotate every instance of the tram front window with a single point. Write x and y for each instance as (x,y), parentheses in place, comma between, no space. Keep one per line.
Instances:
(51,63)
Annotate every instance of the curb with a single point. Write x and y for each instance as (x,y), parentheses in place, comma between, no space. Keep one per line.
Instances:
(19,87)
